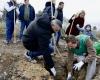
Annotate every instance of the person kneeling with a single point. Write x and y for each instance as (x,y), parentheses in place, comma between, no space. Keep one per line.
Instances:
(36,40)
(81,61)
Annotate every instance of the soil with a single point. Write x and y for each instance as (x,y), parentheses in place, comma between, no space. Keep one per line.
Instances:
(14,65)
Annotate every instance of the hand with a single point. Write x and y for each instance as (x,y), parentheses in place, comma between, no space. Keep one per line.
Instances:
(73,17)
(14,7)
(77,25)
(53,17)
(78,65)
(69,77)
(14,3)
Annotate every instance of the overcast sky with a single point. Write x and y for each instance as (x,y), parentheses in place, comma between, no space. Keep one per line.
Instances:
(91,7)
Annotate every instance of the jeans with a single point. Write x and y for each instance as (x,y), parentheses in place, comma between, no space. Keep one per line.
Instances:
(47,57)
(58,35)
(24,24)
(9,29)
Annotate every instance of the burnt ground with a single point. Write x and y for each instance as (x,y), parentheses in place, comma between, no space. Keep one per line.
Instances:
(14,66)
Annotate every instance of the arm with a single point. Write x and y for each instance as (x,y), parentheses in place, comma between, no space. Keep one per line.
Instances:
(81,24)
(17,10)
(93,36)
(33,12)
(72,18)
(8,8)
(69,62)
(80,29)
(44,41)
(90,50)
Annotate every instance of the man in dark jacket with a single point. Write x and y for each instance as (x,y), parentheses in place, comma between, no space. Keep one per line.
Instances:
(36,39)
(59,15)
(26,15)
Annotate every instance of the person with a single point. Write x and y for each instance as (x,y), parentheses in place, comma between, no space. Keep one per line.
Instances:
(81,57)
(88,31)
(94,30)
(59,15)
(1,14)
(50,11)
(36,40)
(76,20)
(50,8)
(26,15)
(11,15)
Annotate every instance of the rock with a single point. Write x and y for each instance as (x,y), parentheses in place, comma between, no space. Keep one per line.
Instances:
(5,73)
(1,61)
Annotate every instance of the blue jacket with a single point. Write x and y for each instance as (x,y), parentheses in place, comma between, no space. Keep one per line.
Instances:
(31,15)
(10,14)
(47,8)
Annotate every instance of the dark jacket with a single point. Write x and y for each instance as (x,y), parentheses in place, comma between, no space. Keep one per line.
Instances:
(47,8)
(10,14)
(31,15)
(38,34)
(60,14)
(74,30)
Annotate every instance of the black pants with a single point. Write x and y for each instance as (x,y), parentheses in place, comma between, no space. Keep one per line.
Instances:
(34,52)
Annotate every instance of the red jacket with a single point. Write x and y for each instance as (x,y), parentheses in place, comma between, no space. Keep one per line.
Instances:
(74,30)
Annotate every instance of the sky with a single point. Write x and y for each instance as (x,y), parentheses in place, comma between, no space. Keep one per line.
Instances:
(91,7)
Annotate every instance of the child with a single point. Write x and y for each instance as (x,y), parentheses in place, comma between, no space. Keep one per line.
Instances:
(87,31)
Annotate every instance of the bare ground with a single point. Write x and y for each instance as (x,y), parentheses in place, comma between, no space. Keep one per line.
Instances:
(14,66)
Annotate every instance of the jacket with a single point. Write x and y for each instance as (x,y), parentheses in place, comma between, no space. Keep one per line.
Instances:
(31,13)
(39,33)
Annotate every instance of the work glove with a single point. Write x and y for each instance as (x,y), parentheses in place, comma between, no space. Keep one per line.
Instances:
(69,76)
(78,65)
(53,71)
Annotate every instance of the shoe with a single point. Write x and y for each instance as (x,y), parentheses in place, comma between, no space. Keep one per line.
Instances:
(28,56)
(52,71)
(19,40)
(5,41)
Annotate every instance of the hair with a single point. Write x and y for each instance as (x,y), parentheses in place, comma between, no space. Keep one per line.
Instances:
(60,3)
(26,0)
(71,38)
(82,11)
(94,27)
(88,25)
(56,21)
